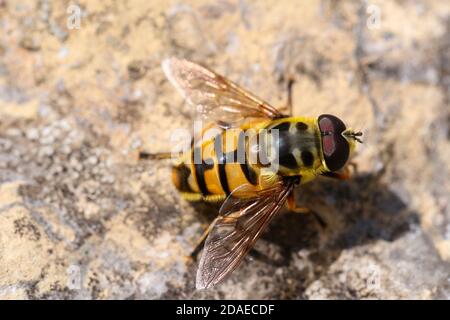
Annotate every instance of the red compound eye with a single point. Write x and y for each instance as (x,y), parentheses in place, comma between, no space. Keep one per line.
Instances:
(326,125)
(335,147)
(328,144)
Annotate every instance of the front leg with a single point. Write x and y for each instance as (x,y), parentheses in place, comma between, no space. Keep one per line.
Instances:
(345,174)
(292,206)
(337,175)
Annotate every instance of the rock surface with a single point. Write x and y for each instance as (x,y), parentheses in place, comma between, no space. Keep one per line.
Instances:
(81,217)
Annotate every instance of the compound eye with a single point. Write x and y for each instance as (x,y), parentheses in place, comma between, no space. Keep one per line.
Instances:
(336,149)
(329,145)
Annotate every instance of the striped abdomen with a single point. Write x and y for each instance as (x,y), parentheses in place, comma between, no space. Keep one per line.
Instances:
(213,169)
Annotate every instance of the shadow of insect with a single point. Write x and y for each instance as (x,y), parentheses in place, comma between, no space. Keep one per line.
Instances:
(356,212)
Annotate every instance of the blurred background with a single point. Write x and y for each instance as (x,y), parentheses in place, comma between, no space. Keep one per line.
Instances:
(82,91)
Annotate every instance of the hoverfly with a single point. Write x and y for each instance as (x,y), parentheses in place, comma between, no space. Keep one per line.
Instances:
(251,193)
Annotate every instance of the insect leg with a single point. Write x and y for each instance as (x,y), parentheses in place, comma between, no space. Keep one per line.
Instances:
(154,156)
(290,84)
(337,175)
(288,106)
(345,175)
(292,206)
(201,241)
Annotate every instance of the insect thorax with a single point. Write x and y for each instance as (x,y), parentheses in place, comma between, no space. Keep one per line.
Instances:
(295,145)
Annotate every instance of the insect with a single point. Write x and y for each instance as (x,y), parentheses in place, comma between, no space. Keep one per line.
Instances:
(218,168)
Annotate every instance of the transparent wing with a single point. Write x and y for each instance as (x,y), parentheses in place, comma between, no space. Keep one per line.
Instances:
(240,223)
(215,97)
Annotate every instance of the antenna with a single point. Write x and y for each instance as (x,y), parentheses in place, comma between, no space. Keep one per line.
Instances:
(355,135)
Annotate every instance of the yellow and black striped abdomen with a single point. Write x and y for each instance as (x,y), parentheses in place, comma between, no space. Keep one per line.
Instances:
(212,170)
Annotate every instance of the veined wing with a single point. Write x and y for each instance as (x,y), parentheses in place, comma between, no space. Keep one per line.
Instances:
(240,223)
(215,97)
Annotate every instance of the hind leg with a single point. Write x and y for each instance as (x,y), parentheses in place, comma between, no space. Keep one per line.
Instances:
(142,155)
(154,156)
(201,241)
